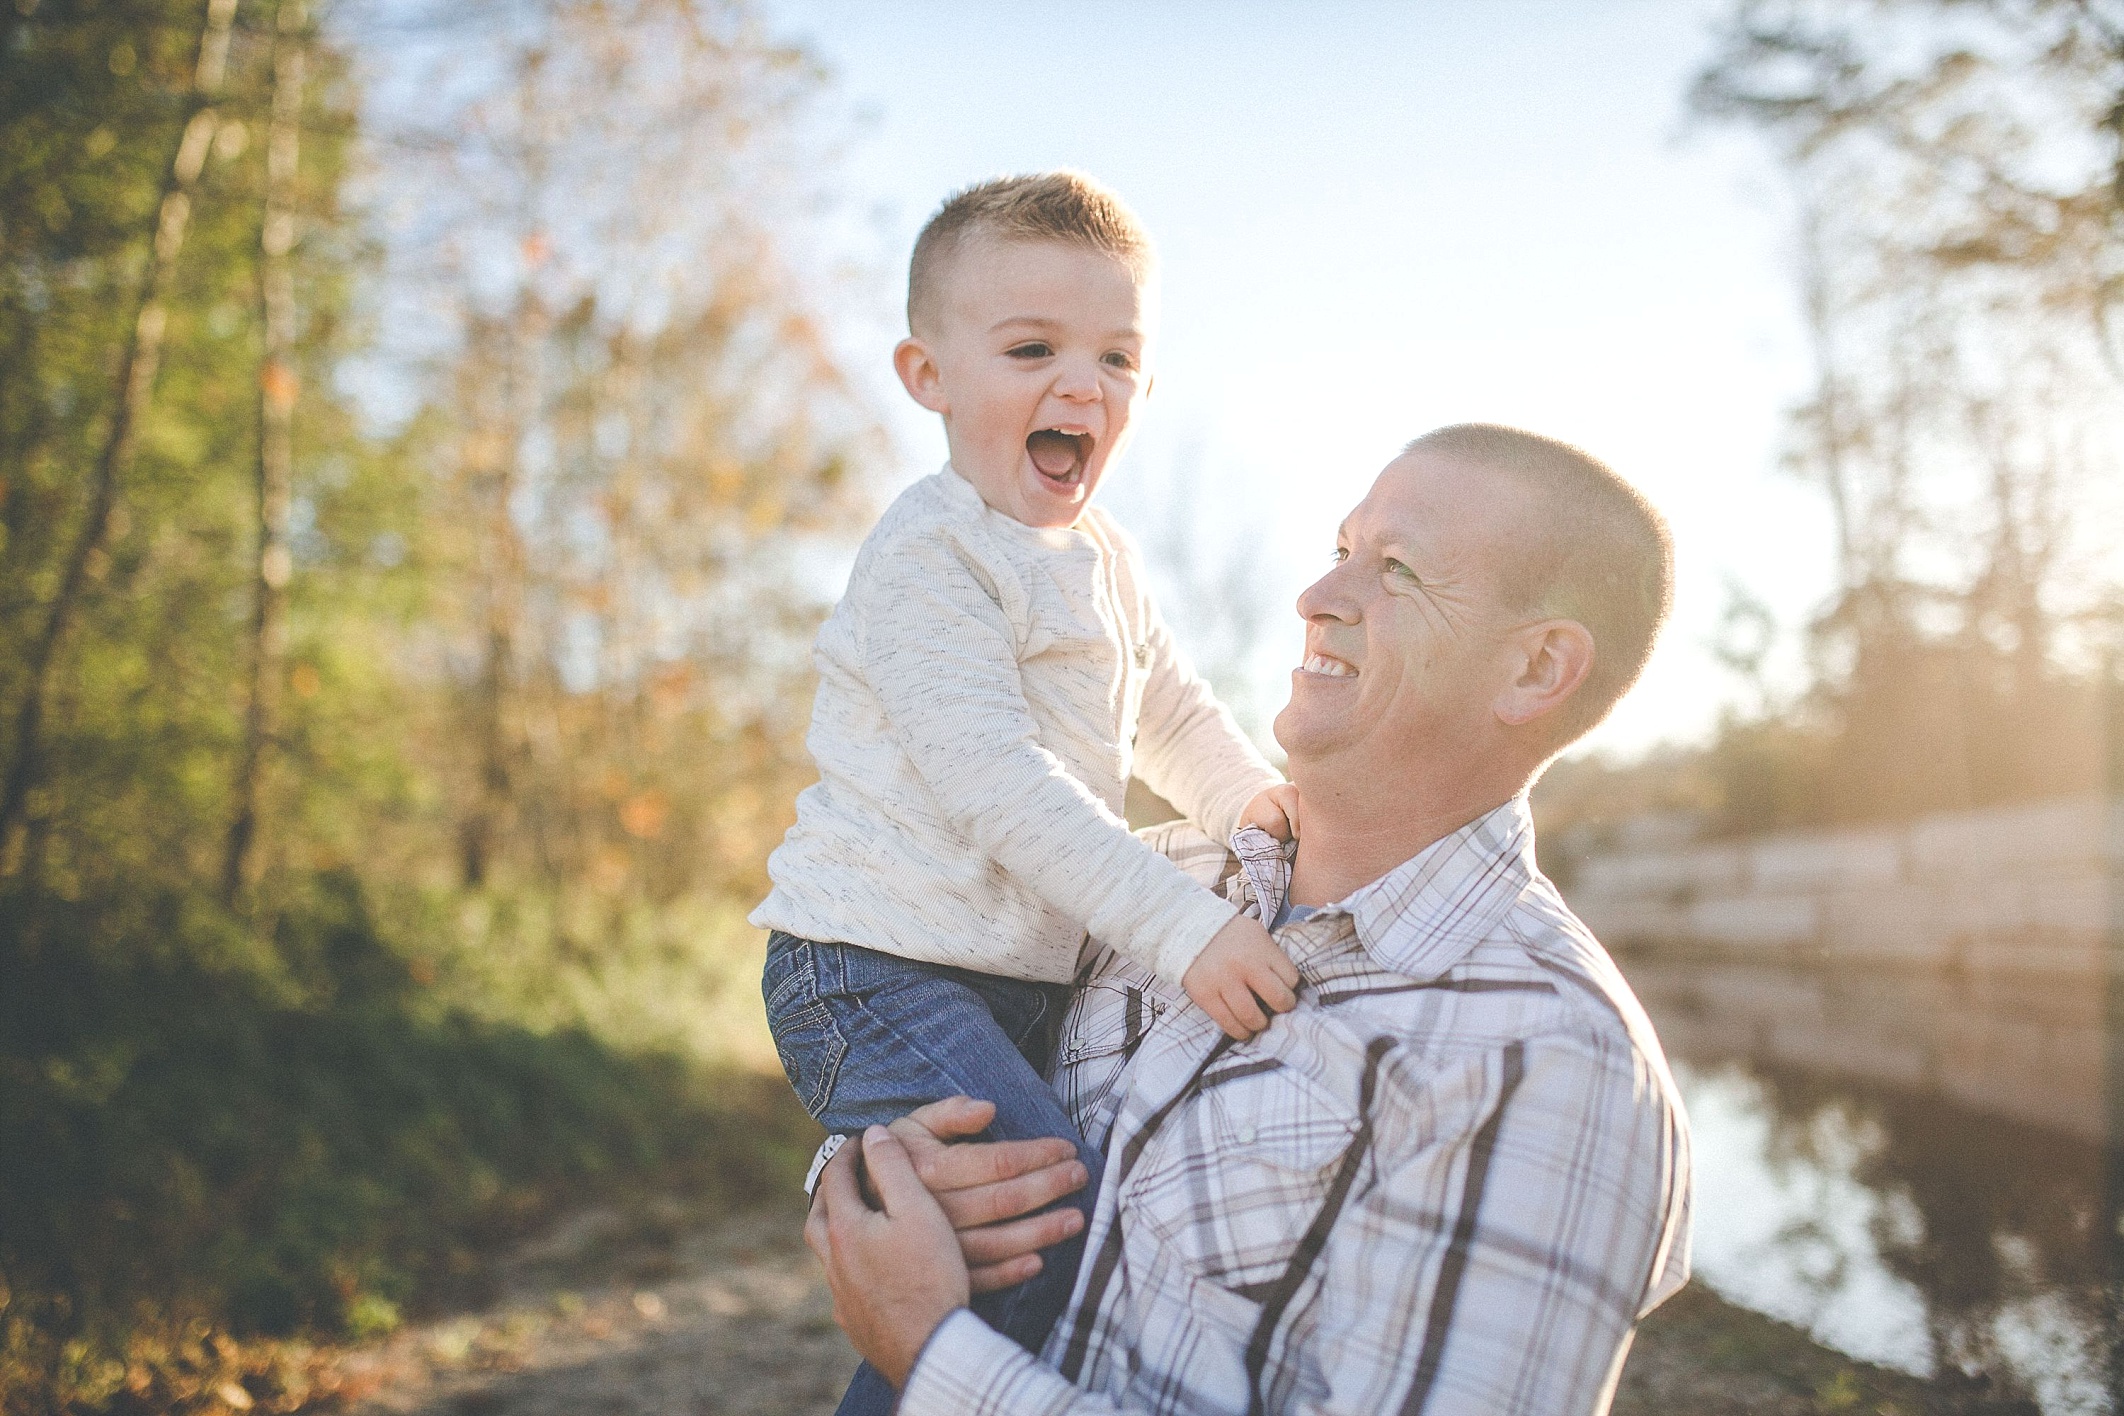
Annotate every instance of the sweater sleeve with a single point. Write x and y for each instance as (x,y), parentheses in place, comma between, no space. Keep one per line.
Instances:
(1189,749)
(939,652)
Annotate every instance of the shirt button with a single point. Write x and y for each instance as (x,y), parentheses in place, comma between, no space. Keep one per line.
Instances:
(1246,1135)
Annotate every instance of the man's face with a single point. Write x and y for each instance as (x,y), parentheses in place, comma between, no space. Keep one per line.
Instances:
(1405,637)
(1036,359)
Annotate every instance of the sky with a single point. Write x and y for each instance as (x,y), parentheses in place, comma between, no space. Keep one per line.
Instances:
(1373,219)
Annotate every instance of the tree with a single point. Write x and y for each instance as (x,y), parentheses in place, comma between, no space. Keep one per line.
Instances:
(139,358)
(1957,170)
(644,425)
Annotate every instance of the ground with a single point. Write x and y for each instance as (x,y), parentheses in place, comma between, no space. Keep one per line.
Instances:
(658,1308)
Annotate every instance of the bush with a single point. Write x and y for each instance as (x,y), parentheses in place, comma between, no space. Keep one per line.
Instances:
(198,1134)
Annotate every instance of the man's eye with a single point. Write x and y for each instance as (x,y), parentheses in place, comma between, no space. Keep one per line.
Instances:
(1034,350)
(1395,567)
(1339,554)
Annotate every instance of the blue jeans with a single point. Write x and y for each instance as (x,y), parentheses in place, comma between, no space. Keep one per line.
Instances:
(867,1037)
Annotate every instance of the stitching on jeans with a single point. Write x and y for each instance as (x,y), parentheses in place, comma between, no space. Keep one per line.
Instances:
(835,1049)
(802,979)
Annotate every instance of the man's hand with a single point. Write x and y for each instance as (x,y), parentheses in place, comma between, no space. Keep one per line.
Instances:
(1238,975)
(895,1272)
(989,1189)
(1274,810)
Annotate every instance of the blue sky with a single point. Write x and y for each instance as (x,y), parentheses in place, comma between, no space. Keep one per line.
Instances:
(1374,218)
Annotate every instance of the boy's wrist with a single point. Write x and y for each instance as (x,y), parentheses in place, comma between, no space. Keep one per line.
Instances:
(1184,942)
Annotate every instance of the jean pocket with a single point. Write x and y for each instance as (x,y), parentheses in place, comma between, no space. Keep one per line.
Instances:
(806,1038)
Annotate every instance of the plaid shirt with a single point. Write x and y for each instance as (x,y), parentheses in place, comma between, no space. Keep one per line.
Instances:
(1451,1180)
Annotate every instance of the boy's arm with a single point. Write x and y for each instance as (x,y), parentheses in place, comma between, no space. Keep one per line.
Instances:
(1189,749)
(940,654)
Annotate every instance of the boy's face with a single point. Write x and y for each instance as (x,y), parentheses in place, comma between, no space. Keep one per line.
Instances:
(1035,355)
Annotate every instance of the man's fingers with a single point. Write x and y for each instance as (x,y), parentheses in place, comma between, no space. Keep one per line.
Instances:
(1021,1194)
(892,1174)
(954,1117)
(834,1196)
(968,1165)
(815,1224)
(998,1243)
(989,1278)
(1245,1010)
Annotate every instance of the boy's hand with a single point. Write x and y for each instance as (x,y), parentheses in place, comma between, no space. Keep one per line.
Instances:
(1241,977)
(1274,810)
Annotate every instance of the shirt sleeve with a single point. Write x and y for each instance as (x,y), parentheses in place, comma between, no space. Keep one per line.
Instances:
(1189,749)
(1498,1269)
(939,652)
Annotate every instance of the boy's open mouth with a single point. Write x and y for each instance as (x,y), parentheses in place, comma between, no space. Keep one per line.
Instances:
(1060,456)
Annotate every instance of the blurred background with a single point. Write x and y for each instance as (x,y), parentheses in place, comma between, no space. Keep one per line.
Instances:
(430,434)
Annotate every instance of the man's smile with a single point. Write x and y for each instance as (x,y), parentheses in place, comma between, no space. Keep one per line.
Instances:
(1326,666)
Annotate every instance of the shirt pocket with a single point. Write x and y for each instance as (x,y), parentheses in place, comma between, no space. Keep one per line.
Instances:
(1109,1018)
(1244,1175)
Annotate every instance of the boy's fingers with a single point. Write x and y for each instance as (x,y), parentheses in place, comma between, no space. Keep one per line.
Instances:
(1273,994)
(1235,1015)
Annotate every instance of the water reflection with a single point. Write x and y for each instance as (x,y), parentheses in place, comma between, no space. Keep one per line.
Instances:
(1907,1166)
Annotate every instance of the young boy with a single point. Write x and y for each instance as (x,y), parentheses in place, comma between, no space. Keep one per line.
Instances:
(993,676)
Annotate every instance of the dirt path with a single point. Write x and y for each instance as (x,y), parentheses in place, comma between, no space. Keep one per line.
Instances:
(658,1311)
(661,1309)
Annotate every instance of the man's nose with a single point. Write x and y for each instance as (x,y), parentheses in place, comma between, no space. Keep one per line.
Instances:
(1329,598)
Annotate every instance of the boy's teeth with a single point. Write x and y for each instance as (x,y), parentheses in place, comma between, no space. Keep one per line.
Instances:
(1331,668)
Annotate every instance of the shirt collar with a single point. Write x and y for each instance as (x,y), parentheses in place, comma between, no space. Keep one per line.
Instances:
(1424,915)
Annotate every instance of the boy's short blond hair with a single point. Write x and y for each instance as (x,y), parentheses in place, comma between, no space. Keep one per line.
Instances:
(1039,206)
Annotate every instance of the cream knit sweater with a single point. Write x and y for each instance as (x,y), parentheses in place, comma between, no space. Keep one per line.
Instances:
(985,691)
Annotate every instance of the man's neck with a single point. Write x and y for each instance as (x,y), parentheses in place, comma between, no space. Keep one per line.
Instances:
(1355,832)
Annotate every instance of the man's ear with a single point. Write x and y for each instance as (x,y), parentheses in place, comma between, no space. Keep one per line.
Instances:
(918,372)
(1552,658)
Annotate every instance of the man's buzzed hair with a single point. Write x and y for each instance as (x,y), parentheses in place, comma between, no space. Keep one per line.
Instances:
(1604,556)
(1041,206)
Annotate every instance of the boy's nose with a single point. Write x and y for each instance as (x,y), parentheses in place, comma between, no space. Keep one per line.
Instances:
(1078,382)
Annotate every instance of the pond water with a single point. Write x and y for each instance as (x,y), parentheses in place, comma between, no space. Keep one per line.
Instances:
(1909,1167)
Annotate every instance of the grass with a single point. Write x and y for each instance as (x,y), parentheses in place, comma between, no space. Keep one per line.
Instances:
(212,1156)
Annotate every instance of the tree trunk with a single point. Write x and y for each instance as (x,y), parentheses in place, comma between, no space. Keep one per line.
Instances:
(278,387)
(136,385)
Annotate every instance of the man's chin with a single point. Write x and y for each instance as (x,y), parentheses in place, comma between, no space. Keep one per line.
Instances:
(1297,731)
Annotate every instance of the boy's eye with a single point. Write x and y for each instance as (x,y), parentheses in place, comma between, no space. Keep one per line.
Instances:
(1035,349)
(1121,359)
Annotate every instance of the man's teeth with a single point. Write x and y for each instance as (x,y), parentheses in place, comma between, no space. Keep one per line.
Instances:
(1329,668)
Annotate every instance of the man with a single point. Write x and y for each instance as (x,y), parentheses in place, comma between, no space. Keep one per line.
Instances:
(1456,1174)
